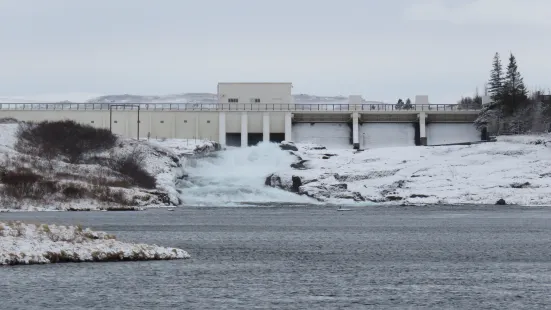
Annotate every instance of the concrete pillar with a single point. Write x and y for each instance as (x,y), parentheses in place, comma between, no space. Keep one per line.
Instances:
(288,126)
(355,131)
(266,127)
(174,120)
(150,131)
(422,128)
(244,130)
(197,126)
(222,129)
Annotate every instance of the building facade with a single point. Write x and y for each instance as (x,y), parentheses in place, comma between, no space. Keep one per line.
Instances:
(255,93)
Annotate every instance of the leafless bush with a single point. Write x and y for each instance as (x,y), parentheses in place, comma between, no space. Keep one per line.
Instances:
(24,183)
(131,165)
(66,139)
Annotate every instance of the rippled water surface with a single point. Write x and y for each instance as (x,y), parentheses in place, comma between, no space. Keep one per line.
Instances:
(303,258)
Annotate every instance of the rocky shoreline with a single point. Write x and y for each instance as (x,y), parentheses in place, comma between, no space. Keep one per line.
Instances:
(26,244)
(440,175)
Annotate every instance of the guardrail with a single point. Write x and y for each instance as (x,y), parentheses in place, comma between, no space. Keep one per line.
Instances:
(231,107)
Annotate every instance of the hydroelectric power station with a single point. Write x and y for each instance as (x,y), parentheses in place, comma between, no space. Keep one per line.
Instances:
(248,113)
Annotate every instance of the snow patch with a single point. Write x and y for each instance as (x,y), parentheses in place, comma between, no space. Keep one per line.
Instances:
(517,171)
(22,243)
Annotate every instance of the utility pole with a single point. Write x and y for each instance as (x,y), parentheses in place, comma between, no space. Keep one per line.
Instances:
(124,105)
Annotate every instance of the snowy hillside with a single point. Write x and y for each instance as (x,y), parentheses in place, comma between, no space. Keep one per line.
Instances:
(49,98)
(516,169)
(29,182)
(204,98)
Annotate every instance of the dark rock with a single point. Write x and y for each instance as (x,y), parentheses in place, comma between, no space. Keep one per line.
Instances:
(206,148)
(325,157)
(182,177)
(358,196)
(521,185)
(318,147)
(501,202)
(419,196)
(162,197)
(288,146)
(367,176)
(330,155)
(350,195)
(297,183)
(159,153)
(299,165)
(393,198)
(399,184)
(316,192)
(273,181)
(338,187)
(294,154)
(304,182)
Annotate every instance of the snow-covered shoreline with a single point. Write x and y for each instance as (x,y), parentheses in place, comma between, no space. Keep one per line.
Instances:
(25,244)
(94,186)
(514,168)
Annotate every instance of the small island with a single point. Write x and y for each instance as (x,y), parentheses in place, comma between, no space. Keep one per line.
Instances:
(25,244)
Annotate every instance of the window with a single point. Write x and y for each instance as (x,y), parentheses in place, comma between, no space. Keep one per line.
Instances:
(92,122)
(233,100)
(208,122)
(255,100)
(115,122)
(162,122)
(185,121)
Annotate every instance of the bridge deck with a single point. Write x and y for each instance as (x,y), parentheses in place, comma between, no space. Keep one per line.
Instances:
(264,107)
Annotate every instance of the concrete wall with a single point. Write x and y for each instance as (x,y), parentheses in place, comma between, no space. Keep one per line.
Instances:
(448,133)
(248,92)
(376,135)
(378,129)
(332,135)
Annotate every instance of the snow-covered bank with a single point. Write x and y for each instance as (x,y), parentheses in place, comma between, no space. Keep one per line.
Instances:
(22,243)
(516,169)
(37,183)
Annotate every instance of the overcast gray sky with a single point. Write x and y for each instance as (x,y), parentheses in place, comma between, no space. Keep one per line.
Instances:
(382,50)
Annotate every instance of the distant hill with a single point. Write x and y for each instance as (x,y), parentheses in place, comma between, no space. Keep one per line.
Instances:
(205,98)
(197,98)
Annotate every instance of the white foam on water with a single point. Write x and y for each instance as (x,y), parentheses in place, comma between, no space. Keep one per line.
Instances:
(236,178)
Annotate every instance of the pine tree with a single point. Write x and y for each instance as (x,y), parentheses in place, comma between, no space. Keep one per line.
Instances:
(400,104)
(515,93)
(408,104)
(495,84)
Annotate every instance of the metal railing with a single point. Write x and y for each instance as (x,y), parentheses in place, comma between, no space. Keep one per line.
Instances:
(231,107)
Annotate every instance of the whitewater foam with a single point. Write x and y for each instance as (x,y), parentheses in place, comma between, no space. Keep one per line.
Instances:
(236,178)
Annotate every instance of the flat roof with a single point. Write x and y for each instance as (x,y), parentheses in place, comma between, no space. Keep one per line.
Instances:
(254,83)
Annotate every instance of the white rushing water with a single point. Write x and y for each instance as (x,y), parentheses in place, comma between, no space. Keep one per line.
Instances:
(236,177)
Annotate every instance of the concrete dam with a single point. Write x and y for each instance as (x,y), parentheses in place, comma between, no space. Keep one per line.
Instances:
(354,125)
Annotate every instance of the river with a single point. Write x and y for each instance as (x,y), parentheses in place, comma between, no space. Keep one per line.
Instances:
(303,257)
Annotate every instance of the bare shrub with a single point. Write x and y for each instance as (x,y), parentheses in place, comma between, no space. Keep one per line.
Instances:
(106,194)
(20,183)
(74,191)
(131,165)
(67,139)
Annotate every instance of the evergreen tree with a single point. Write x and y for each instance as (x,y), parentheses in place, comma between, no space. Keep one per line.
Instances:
(487,116)
(408,104)
(515,93)
(495,84)
(400,104)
